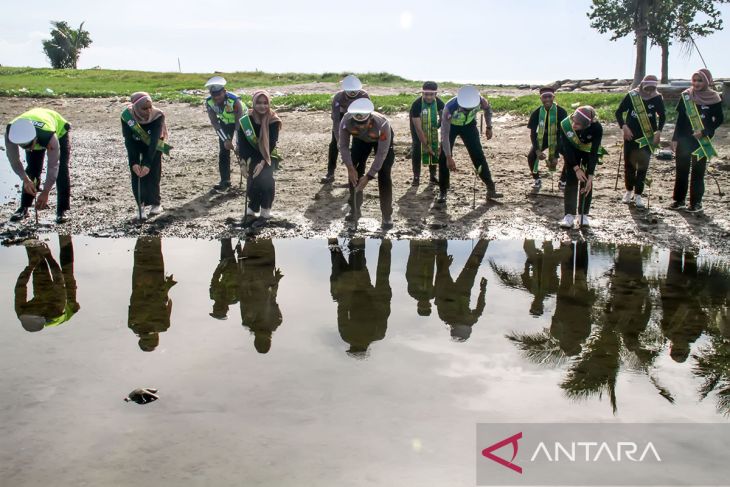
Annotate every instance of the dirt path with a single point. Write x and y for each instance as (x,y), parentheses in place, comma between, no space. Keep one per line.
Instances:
(103,204)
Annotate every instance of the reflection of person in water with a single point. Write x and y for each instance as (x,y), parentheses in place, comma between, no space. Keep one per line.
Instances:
(149,306)
(540,276)
(54,287)
(362,309)
(258,285)
(629,307)
(224,284)
(571,323)
(683,318)
(453,297)
(420,274)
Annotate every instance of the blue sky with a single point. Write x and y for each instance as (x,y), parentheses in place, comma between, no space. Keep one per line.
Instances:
(467,40)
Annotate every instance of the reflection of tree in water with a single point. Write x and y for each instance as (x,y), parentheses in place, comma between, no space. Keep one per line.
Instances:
(362,309)
(224,284)
(712,360)
(258,284)
(54,287)
(453,297)
(597,329)
(149,305)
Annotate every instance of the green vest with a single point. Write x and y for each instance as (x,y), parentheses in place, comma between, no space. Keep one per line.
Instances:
(461,118)
(128,119)
(429,124)
(46,120)
(228,115)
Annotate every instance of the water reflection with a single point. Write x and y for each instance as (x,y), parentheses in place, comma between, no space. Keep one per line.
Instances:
(453,297)
(149,306)
(362,309)
(258,284)
(54,288)
(590,312)
(224,284)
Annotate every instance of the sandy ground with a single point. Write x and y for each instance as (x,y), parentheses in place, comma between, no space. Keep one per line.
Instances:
(103,205)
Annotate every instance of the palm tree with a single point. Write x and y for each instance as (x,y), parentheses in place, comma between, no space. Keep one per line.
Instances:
(64,47)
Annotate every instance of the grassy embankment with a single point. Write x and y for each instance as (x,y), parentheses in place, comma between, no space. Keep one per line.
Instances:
(101,83)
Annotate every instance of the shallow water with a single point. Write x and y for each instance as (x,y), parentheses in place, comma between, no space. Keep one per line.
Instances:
(328,369)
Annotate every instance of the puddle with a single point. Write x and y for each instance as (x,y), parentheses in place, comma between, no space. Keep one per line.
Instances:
(8,180)
(363,362)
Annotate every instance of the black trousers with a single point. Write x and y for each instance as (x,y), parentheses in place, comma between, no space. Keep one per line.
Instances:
(416,156)
(690,173)
(360,151)
(636,165)
(262,189)
(583,205)
(146,190)
(224,155)
(34,168)
(470,137)
(332,154)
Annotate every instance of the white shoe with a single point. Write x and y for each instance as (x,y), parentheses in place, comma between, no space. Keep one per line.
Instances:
(585,221)
(639,202)
(628,197)
(561,185)
(567,221)
(250,212)
(265,213)
(537,184)
(156,210)
(141,214)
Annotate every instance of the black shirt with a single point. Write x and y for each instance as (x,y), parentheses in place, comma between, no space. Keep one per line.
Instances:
(712,117)
(654,109)
(247,151)
(573,156)
(417,109)
(135,146)
(534,121)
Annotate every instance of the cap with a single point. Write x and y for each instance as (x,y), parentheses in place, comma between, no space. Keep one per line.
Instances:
(468,97)
(430,86)
(351,83)
(361,106)
(22,131)
(215,84)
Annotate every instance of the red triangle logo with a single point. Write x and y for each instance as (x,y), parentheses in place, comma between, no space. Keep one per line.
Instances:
(487,452)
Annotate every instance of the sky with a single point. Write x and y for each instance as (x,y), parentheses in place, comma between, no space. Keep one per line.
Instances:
(463,40)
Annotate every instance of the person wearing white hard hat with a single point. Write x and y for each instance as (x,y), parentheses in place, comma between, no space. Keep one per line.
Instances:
(39,131)
(224,110)
(460,120)
(351,91)
(369,131)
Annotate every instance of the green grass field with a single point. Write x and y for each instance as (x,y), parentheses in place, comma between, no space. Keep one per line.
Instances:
(96,83)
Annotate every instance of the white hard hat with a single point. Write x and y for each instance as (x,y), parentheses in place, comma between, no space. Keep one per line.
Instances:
(468,97)
(361,106)
(351,83)
(216,83)
(22,131)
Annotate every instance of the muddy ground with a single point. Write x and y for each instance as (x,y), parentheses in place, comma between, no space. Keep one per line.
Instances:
(103,205)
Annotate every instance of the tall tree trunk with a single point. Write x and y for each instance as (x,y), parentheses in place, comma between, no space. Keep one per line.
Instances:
(642,30)
(665,62)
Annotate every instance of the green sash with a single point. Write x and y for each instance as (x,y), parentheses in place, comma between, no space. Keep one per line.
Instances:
(127,118)
(646,130)
(575,141)
(429,124)
(250,135)
(705,150)
(552,131)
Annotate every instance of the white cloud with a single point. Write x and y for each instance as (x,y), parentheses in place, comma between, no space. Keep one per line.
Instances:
(406,20)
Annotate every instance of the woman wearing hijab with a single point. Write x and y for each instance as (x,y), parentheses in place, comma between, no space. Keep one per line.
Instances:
(260,128)
(642,131)
(581,136)
(699,113)
(145,132)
